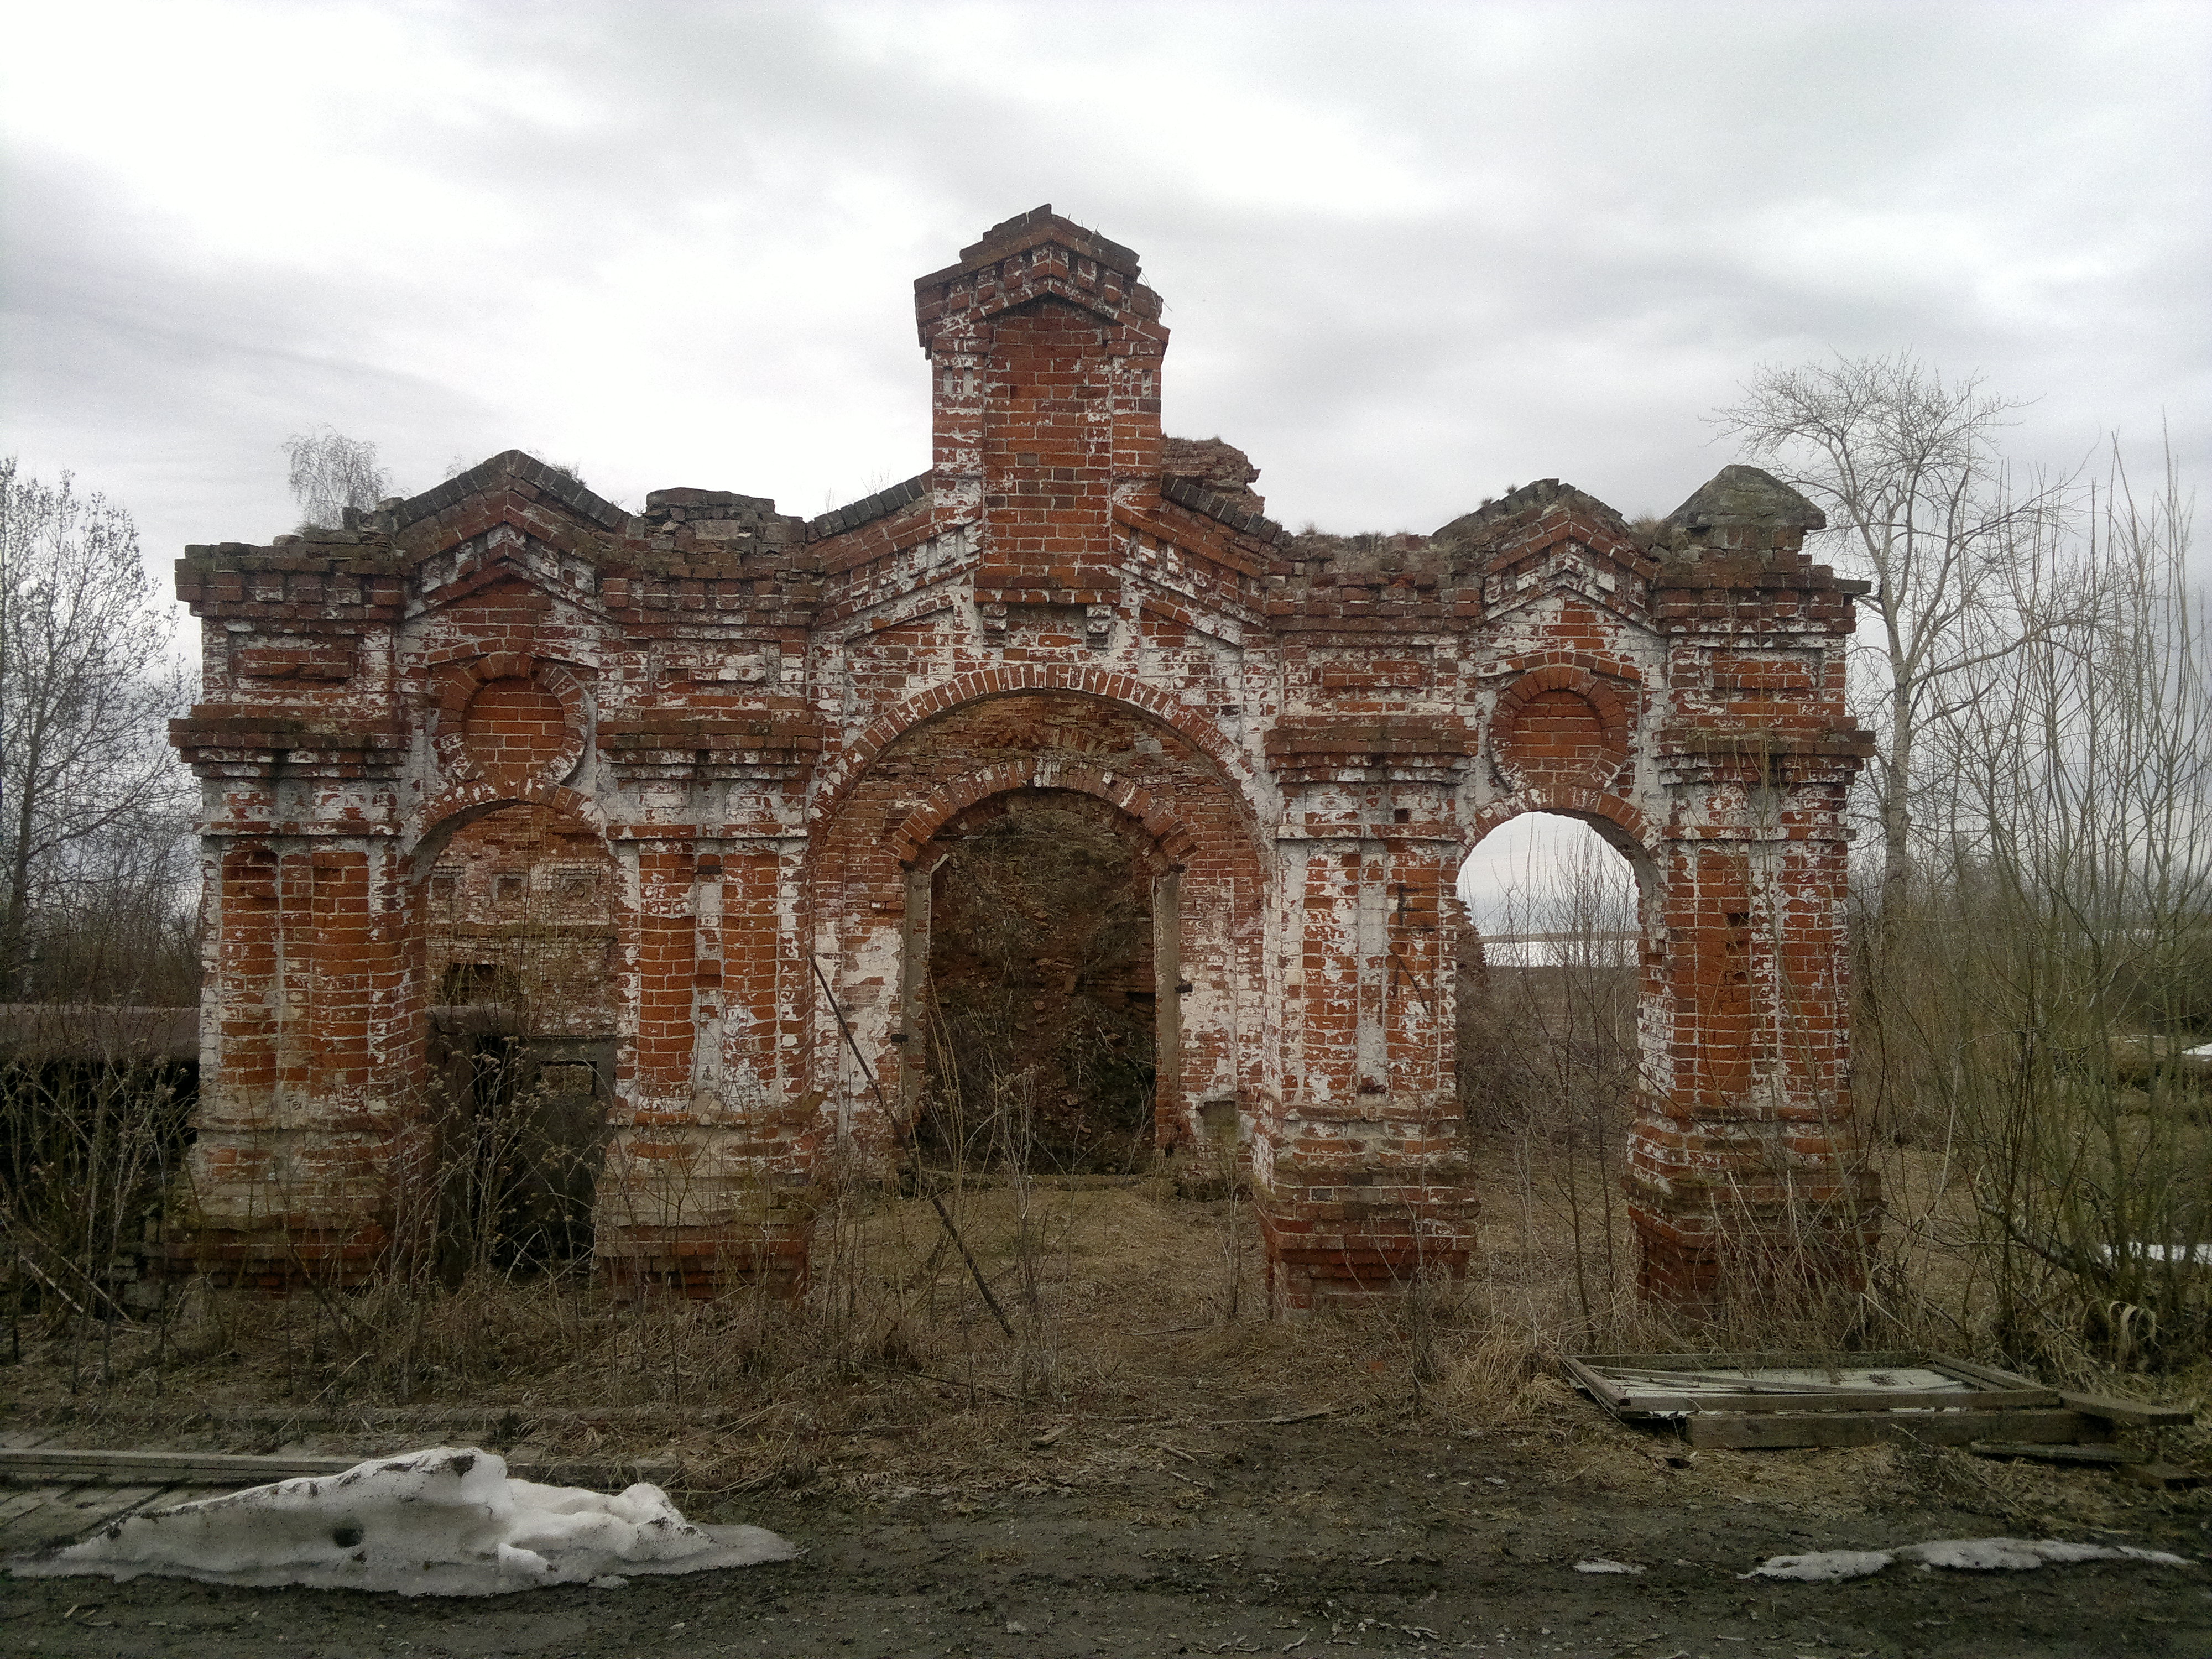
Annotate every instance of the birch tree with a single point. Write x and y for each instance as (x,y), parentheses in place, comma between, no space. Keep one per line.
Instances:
(85,695)
(1920,502)
(330,472)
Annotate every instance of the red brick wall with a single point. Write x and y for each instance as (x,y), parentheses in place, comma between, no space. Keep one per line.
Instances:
(749,725)
(513,725)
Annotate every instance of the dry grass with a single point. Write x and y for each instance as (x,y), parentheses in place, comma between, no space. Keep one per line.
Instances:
(1129,1304)
(1140,1336)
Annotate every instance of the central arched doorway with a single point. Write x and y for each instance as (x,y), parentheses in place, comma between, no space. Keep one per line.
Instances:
(1152,788)
(1038,929)
(1043,990)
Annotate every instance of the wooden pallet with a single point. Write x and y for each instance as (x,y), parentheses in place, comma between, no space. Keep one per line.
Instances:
(1783,1400)
(39,1518)
(43,1465)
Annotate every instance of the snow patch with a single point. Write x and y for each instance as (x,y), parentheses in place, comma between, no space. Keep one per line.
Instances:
(2190,1255)
(1822,1567)
(2022,1554)
(1599,1563)
(1962,1554)
(446,1522)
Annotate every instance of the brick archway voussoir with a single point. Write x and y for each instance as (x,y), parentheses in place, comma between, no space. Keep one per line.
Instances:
(1619,671)
(477,796)
(978,686)
(1571,802)
(946,802)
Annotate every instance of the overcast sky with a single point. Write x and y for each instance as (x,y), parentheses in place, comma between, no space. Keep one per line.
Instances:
(1411,255)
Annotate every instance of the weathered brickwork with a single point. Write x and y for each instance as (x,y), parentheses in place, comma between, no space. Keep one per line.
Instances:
(648,775)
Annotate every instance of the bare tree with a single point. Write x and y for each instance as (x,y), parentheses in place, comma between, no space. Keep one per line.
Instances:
(1921,502)
(84,697)
(331,473)
(2062,970)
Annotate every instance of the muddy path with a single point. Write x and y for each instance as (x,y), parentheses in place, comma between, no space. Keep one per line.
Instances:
(1307,1538)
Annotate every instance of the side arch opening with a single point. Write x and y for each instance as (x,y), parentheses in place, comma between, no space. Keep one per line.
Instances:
(1556,994)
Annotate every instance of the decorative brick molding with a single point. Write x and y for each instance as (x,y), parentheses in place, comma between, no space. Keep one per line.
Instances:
(1560,726)
(839,775)
(517,718)
(698,754)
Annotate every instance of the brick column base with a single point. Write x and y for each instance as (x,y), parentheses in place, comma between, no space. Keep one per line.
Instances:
(770,1258)
(277,1260)
(1324,1254)
(1773,1257)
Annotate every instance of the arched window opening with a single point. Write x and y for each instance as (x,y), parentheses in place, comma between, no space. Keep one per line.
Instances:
(1545,890)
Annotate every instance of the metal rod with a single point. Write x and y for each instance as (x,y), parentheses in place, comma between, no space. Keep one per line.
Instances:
(912,1158)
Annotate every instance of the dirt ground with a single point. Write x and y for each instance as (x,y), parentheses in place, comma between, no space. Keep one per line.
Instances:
(1111,1482)
(1255,1538)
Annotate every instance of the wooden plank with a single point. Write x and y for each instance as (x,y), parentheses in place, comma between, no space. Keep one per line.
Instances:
(2104,1456)
(1853,1400)
(2135,1413)
(49,1466)
(27,1528)
(89,1508)
(1988,1375)
(2162,1476)
(1744,1383)
(1792,1359)
(1604,1389)
(1634,1385)
(353,1419)
(21,1502)
(23,1439)
(51,1463)
(1774,1431)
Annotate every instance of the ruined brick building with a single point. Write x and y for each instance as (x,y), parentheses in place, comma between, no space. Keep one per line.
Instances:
(693,753)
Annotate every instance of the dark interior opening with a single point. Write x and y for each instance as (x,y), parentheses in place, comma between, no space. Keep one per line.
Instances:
(523,1135)
(1041,1044)
(522,942)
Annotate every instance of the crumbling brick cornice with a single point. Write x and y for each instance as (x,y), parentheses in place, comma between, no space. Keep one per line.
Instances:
(869,508)
(790,729)
(1035,256)
(1425,736)
(489,477)
(1811,735)
(221,739)
(1184,492)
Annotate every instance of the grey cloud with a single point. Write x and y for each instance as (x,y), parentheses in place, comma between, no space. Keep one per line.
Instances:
(1579,227)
